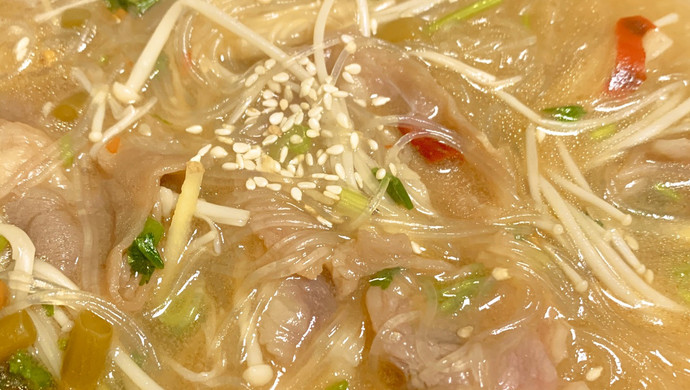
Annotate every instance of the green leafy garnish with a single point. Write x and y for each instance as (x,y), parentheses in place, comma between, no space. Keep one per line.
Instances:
(340,385)
(463,13)
(50,310)
(27,367)
(396,190)
(604,132)
(294,149)
(667,191)
(140,6)
(62,343)
(3,243)
(384,277)
(566,113)
(456,296)
(352,202)
(142,255)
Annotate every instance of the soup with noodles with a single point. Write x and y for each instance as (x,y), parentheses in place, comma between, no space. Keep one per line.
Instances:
(384,194)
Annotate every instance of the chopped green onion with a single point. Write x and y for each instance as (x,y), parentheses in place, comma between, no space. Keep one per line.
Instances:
(62,343)
(3,243)
(69,108)
(87,351)
(142,255)
(74,17)
(50,310)
(66,151)
(27,367)
(18,332)
(566,113)
(668,192)
(463,13)
(296,132)
(340,385)
(185,310)
(456,296)
(141,6)
(604,132)
(396,190)
(384,277)
(352,203)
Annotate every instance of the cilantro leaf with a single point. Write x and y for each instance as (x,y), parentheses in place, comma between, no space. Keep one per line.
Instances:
(142,256)
(141,6)
(384,277)
(27,367)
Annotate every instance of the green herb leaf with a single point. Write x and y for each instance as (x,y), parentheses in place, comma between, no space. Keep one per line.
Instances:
(384,277)
(142,256)
(66,151)
(50,310)
(396,190)
(462,14)
(456,296)
(26,366)
(566,113)
(340,385)
(3,243)
(140,6)
(667,191)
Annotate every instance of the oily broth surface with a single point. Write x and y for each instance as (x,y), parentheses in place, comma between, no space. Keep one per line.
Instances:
(554,76)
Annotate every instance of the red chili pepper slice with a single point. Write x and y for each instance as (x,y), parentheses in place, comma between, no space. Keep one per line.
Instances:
(431,149)
(630,55)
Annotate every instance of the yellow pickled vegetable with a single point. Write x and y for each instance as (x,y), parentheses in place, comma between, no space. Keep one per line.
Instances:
(17,332)
(87,350)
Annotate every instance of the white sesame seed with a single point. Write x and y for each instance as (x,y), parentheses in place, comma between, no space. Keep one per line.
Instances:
(416,248)
(393,169)
(335,150)
(270,103)
(315,112)
(354,140)
(358,180)
(218,152)
(343,120)
(240,147)
(329,88)
(347,76)
(283,154)
(252,154)
(341,94)
(331,177)
(321,160)
(281,77)
(260,181)
(310,68)
(299,117)
(293,161)
(251,79)
(249,165)
(314,124)
(324,221)
(328,101)
(303,60)
(225,140)
(273,86)
(328,79)
(300,170)
(283,104)
(380,174)
(286,173)
(353,68)
(194,129)
(250,184)
(500,273)
(270,63)
(380,101)
(260,70)
(270,139)
(268,94)
(331,195)
(230,166)
(334,189)
(326,133)
(350,47)
(346,38)
(309,159)
(296,139)
(288,94)
(252,112)
(288,123)
(373,145)
(318,175)
(594,373)
(222,131)
(340,170)
(296,193)
(295,108)
(312,133)
(360,102)
(240,161)
(306,185)
(274,186)
(292,169)
(312,94)
(305,106)
(465,332)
